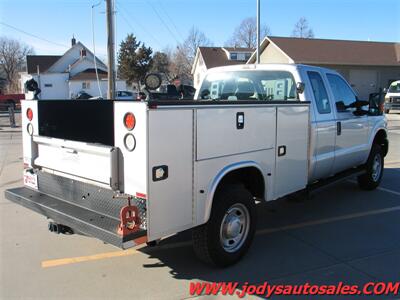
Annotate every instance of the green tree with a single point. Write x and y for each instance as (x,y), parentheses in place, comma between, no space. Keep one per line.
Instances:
(134,60)
(161,63)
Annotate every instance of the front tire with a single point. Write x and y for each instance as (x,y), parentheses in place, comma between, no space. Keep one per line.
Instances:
(374,169)
(226,237)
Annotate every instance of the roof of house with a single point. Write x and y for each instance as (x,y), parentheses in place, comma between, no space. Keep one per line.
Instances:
(89,74)
(43,61)
(336,52)
(239,49)
(216,56)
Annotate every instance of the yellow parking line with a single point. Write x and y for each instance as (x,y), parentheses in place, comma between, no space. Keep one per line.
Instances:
(74,260)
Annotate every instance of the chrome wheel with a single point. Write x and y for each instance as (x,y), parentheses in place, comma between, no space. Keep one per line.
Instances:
(234,227)
(376,167)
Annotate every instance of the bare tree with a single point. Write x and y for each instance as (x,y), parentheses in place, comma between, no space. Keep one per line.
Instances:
(245,35)
(195,39)
(12,60)
(302,30)
(183,57)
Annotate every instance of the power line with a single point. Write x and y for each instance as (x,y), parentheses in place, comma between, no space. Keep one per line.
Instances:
(170,19)
(33,35)
(162,20)
(118,4)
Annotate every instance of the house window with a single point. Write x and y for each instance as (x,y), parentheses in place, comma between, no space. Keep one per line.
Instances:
(48,85)
(247,56)
(234,56)
(86,85)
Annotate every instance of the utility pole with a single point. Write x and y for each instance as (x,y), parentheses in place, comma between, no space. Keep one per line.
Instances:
(258,31)
(110,50)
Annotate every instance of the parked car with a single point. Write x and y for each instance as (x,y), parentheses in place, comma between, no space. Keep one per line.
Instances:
(125,95)
(82,96)
(11,100)
(392,98)
(134,172)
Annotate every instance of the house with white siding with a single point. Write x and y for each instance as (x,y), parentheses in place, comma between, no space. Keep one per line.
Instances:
(63,77)
(210,57)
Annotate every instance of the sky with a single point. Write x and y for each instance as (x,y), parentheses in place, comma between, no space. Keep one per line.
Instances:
(48,25)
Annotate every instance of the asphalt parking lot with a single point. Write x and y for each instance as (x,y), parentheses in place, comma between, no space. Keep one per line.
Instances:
(339,234)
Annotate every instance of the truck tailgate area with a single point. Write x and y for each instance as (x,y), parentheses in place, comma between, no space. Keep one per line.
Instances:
(88,209)
(98,163)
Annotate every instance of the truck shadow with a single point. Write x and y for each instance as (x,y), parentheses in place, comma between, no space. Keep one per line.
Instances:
(318,233)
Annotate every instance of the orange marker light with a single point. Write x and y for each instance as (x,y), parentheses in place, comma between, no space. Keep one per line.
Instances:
(29,114)
(129,121)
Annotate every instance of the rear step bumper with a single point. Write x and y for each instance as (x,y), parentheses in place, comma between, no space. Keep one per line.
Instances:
(81,220)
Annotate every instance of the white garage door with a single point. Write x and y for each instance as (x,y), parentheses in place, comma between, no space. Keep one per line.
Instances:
(364,82)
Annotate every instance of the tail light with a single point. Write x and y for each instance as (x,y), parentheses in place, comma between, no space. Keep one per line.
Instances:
(29,114)
(129,121)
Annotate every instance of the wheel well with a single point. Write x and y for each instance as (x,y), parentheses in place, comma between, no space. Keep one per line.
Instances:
(382,140)
(250,177)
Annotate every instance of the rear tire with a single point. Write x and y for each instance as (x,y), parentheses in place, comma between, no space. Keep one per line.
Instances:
(226,237)
(374,169)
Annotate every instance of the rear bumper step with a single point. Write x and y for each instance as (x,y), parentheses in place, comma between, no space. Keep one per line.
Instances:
(81,220)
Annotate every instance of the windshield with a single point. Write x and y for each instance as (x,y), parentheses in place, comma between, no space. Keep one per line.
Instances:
(394,87)
(248,85)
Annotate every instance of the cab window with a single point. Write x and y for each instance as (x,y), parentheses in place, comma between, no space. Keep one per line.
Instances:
(344,95)
(249,85)
(320,94)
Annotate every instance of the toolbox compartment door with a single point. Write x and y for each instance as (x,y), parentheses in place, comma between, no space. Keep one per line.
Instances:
(291,164)
(93,162)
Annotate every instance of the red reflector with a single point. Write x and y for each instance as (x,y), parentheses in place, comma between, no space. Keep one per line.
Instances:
(141,196)
(29,114)
(129,121)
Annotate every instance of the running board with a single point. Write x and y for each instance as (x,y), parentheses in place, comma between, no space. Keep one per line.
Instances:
(336,178)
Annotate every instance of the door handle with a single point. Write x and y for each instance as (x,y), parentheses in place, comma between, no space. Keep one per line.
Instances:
(339,128)
(240,120)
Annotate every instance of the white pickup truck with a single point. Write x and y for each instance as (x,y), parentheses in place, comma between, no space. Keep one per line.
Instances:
(134,172)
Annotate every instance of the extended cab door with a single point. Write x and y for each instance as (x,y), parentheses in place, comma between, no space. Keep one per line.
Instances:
(351,131)
(323,128)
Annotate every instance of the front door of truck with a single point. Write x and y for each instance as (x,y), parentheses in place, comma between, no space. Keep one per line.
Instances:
(351,146)
(323,128)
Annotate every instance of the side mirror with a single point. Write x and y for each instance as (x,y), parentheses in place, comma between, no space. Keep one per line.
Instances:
(385,90)
(358,104)
(300,86)
(340,106)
